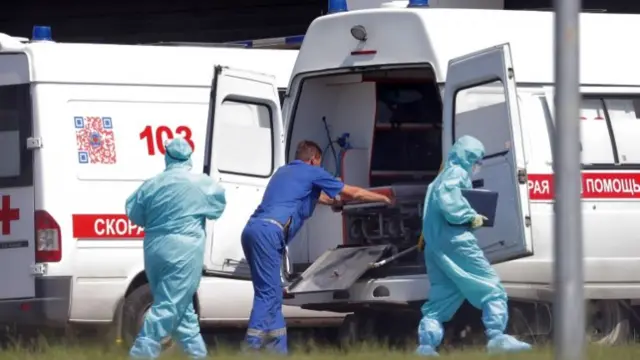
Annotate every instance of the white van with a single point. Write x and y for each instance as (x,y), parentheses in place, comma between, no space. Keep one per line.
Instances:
(81,126)
(405,83)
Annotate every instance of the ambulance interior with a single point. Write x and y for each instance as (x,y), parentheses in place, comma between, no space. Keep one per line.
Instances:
(393,118)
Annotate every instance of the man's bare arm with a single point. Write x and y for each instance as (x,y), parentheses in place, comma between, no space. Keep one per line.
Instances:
(355,193)
(361,194)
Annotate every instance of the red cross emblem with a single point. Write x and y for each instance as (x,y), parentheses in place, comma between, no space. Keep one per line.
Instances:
(7,214)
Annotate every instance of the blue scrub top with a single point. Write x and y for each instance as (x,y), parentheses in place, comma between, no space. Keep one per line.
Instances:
(293,192)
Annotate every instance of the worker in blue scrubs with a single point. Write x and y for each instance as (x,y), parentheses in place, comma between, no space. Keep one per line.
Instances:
(289,200)
(456,265)
(172,208)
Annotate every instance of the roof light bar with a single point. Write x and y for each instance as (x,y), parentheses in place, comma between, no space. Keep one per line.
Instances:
(337,6)
(418,3)
(41,33)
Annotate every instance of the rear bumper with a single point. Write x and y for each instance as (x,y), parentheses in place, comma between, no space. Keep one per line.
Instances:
(50,306)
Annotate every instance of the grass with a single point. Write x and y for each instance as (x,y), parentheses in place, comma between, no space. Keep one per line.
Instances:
(42,350)
(225,345)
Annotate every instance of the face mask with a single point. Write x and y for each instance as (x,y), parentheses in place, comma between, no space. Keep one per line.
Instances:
(476,168)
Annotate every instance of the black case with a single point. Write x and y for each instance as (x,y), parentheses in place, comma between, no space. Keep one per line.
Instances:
(484,202)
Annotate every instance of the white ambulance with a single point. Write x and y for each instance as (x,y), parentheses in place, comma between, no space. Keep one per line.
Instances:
(81,126)
(404,83)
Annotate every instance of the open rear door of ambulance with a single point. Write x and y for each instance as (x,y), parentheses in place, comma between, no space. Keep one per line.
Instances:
(244,146)
(17,194)
(481,100)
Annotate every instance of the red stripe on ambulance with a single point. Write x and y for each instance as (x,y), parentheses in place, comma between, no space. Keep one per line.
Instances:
(595,185)
(105,226)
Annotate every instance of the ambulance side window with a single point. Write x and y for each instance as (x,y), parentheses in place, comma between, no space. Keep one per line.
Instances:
(481,111)
(595,141)
(247,146)
(610,129)
(16,162)
(624,116)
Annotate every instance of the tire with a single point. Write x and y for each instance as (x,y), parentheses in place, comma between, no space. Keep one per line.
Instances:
(608,322)
(134,308)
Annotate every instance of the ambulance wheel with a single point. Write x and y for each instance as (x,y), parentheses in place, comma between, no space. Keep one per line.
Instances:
(608,322)
(135,307)
(356,328)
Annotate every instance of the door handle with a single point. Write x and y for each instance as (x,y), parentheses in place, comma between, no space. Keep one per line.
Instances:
(479,183)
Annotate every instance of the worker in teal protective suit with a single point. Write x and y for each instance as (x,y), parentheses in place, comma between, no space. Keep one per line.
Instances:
(172,208)
(456,265)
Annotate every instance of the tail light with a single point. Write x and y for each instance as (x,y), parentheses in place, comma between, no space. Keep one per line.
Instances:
(48,238)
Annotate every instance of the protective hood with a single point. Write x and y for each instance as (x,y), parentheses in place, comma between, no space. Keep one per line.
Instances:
(178,154)
(466,152)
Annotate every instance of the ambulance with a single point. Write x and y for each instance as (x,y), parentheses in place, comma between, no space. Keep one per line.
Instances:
(81,126)
(402,82)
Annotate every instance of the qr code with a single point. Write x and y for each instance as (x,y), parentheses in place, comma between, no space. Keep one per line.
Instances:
(95,140)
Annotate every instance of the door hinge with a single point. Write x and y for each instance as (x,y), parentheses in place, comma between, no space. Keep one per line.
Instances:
(527,221)
(38,269)
(34,143)
(522,176)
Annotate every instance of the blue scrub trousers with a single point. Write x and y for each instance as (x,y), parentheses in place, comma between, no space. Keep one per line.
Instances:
(263,245)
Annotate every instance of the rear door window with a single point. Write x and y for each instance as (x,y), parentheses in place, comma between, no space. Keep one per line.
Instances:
(16,162)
